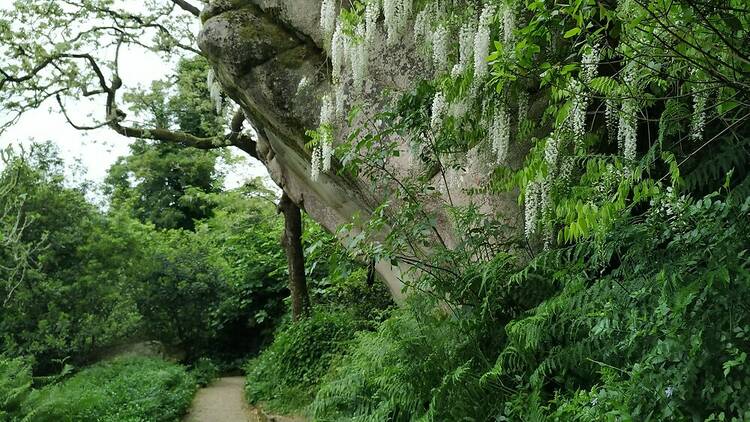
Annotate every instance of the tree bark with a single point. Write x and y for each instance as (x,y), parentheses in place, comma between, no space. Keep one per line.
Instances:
(291,239)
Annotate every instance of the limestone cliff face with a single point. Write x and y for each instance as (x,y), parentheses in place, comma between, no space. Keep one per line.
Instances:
(269,57)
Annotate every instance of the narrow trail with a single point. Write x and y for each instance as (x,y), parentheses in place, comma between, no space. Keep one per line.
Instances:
(224,401)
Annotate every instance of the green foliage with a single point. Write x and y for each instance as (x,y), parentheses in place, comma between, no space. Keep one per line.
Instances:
(649,323)
(98,279)
(15,385)
(165,184)
(286,374)
(128,389)
(204,371)
(84,256)
(419,361)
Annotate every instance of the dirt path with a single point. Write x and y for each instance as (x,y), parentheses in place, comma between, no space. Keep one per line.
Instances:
(224,401)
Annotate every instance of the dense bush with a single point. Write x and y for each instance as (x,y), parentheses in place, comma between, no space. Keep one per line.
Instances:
(618,331)
(129,389)
(81,255)
(286,374)
(96,279)
(15,385)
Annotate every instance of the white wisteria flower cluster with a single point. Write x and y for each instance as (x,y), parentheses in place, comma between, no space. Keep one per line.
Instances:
(482,41)
(214,90)
(698,121)
(323,152)
(500,134)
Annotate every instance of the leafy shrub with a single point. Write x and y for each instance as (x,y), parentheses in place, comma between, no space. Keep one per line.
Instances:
(15,385)
(651,323)
(204,371)
(419,363)
(286,374)
(131,389)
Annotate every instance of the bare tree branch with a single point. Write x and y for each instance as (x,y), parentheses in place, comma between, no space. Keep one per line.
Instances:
(187,7)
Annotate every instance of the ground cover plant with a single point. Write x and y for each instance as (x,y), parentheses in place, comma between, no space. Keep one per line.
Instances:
(124,389)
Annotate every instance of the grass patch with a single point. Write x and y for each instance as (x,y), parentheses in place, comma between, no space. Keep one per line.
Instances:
(128,389)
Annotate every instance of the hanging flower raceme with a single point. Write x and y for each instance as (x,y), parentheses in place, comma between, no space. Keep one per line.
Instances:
(338,47)
(422,27)
(359,57)
(327,17)
(627,123)
(465,48)
(551,153)
(500,134)
(390,12)
(576,120)
(698,121)
(509,25)
(214,91)
(531,208)
(589,65)
(372,13)
(627,135)
(340,94)
(315,165)
(482,42)
(323,152)
(438,109)
(610,115)
(403,14)
(440,49)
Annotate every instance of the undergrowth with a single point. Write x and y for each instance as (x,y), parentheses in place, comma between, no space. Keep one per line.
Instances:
(649,323)
(284,377)
(127,389)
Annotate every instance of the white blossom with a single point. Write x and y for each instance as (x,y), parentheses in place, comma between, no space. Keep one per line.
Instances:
(303,84)
(628,119)
(509,25)
(459,108)
(422,26)
(500,134)
(391,14)
(610,115)
(338,51)
(482,42)
(326,111)
(440,49)
(315,164)
(698,121)
(326,150)
(214,91)
(327,17)
(466,46)
(340,94)
(589,65)
(577,116)
(628,128)
(359,57)
(551,152)
(211,77)
(372,13)
(531,208)
(403,14)
(438,109)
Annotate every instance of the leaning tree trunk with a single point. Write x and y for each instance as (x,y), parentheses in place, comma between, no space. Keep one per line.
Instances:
(291,239)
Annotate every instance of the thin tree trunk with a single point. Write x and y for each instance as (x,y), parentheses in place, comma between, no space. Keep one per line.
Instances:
(291,239)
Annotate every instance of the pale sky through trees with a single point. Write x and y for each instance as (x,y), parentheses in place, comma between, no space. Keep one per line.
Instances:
(98,149)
